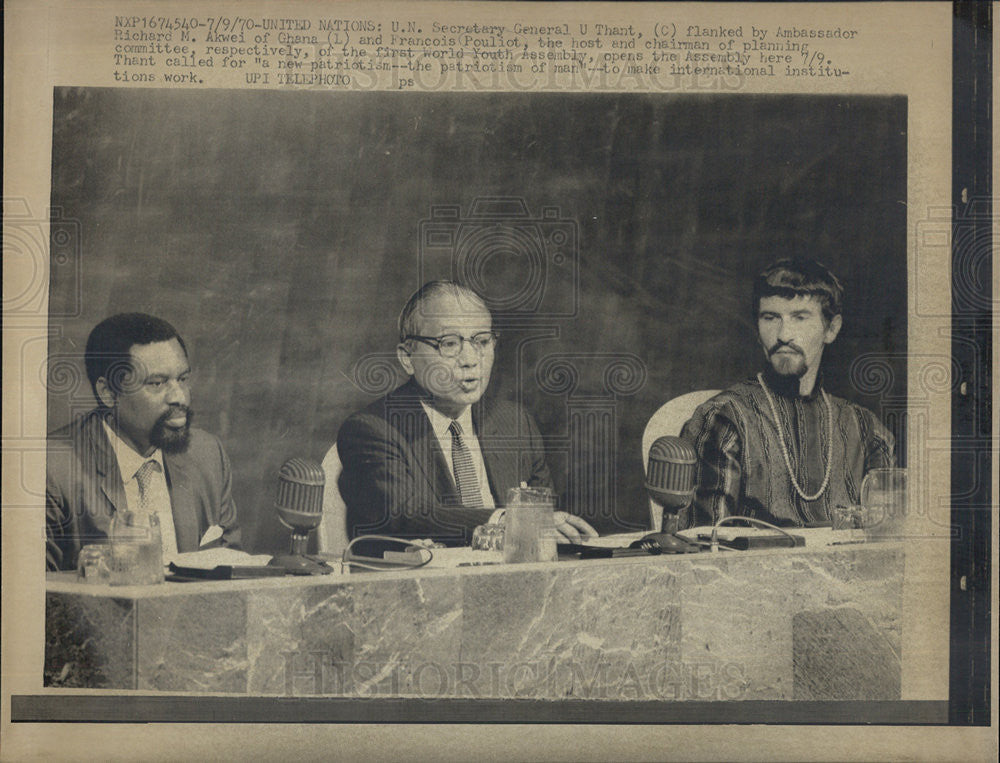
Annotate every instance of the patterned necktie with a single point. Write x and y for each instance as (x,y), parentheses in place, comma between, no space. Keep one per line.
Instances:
(152,501)
(465,472)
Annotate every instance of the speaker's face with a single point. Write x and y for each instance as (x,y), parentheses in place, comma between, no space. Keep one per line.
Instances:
(454,383)
(793,333)
(151,406)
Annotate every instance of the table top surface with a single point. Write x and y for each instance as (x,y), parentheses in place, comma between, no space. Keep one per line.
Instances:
(459,561)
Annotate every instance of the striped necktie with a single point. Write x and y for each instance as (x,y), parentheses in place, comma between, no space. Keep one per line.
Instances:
(153,501)
(465,472)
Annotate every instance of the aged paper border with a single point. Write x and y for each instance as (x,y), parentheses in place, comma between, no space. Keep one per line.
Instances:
(908,50)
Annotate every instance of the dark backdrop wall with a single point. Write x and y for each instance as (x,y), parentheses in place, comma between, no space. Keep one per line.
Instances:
(281,233)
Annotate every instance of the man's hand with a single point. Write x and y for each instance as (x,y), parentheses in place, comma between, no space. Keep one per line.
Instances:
(571,528)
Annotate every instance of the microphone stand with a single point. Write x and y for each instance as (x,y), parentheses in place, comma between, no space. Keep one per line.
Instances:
(298,562)
(670,542)
(670,482)
(300,508)
(667,539)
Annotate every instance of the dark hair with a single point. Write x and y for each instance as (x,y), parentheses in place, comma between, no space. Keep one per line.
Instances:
(427,292)
(792,277)
(110,343)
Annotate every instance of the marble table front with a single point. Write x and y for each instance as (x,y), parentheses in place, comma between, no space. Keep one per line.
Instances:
(786,624)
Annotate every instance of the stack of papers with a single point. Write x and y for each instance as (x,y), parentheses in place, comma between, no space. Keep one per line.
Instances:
(620,540)
(211,558)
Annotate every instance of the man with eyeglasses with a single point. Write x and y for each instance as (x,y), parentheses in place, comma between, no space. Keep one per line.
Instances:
(433,459)
(136,451)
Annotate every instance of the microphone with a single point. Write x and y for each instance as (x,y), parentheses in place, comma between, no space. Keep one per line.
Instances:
(300,508)
(670,483)
(670,474)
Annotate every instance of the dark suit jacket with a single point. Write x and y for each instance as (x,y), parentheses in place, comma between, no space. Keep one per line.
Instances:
(396,481)
(83,490)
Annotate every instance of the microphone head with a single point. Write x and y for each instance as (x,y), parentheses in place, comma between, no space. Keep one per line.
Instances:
(300,494)
(670,472)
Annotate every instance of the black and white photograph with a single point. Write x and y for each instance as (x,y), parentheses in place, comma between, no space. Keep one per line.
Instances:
(488,407)
(570,265)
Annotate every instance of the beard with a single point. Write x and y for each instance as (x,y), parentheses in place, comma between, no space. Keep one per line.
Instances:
(170,439)
(784,364)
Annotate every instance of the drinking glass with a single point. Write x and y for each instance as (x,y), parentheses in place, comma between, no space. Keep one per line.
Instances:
(92,564)
(848,524)
(883,498)
(136,549)
(529,526)
(488,537)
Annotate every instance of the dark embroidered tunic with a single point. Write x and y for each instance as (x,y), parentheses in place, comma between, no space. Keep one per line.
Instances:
(741,470)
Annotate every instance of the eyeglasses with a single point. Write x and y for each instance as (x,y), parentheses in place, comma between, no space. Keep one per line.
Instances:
(450,345)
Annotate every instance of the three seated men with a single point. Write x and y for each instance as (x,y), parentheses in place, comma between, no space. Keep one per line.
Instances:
(435,457)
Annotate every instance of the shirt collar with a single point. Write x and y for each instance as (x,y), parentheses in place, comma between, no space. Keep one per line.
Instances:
(129,460)
(440,422)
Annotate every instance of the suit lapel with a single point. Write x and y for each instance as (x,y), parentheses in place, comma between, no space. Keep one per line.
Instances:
(443,481)
(429,457)
(187,512)
(405,414)
(500,461)
(109,477)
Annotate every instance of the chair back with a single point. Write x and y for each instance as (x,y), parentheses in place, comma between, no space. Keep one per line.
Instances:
(669,419)
(331,536)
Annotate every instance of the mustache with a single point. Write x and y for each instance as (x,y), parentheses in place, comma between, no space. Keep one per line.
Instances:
(174,410)
(779,345)
(168,439)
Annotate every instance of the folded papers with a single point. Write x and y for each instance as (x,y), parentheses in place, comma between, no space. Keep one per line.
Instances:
(210,558)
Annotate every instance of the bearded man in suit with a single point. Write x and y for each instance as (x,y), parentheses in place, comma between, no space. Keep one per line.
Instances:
(137,449)
(433,458)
